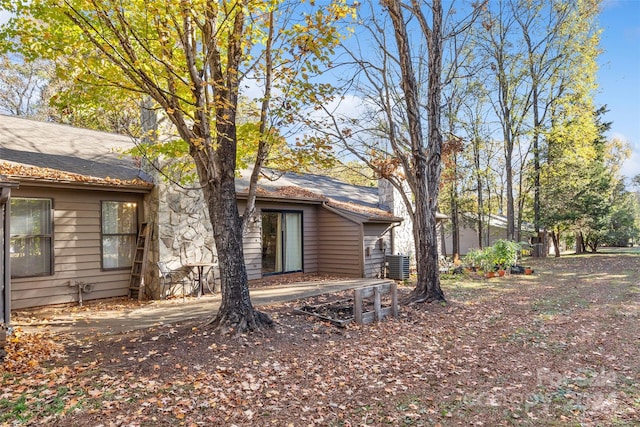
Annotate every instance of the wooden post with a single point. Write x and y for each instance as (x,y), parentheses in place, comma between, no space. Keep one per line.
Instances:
(377,304)
(394,299)
(357,305)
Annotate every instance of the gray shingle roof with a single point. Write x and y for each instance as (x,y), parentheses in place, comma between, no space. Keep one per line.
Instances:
(357,202)
(66,148)
(323,185)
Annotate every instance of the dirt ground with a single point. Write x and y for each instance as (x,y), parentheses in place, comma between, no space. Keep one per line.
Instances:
(559,347)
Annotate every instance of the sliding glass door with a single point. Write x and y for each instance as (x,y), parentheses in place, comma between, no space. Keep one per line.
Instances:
(281,242)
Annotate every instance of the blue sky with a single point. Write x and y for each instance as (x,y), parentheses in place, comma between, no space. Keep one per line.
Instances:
(619,74)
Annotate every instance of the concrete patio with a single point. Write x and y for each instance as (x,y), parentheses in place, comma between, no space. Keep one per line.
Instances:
(166,312)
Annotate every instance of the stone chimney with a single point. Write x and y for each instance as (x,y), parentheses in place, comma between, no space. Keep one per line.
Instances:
(385,195)
(148,121)
(390,199)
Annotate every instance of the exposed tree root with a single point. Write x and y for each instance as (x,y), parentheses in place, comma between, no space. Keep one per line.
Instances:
(419,297)
(235,323)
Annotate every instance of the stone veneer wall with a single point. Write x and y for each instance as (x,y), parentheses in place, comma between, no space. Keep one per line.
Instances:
(390,199)
(182,231)
(178,217)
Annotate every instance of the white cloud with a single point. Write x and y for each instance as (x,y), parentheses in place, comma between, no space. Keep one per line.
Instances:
(348,106)
(4,16)
(631,167)
(252,88)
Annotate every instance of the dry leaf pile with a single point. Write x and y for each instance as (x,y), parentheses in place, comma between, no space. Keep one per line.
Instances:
(15,170)
(560,347)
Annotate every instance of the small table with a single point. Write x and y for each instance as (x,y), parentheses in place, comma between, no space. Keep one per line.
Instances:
(199,268)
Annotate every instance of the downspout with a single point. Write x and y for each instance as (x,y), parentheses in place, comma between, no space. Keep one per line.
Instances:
(5,198)
(363,261)
(389,229)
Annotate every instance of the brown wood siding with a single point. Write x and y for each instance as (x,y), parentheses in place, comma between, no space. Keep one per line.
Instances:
(77,250)
(252,246)
(374,258)
(339,245)
(253,237)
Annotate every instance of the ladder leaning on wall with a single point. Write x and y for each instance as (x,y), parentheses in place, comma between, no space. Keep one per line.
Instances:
(136,281)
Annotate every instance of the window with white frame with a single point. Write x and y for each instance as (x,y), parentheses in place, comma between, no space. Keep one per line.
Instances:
(31,226)
(119,231)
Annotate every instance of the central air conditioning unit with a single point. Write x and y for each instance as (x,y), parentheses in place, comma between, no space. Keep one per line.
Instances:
(398,267)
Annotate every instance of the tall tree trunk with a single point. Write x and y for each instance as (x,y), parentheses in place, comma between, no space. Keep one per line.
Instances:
(455,219)
(443,243)
(216,165)
(555,238)
(579,243)
(455,231)
(425,174)
(217,178)
(511,226)
(508,157)
(433,292)
(536,164)
(486,219)
(236,311)
(479,185)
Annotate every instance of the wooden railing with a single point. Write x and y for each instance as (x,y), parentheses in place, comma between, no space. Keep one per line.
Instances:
(379,312)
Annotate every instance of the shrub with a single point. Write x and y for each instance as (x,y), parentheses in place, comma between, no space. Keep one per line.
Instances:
(472,258)
(505,253)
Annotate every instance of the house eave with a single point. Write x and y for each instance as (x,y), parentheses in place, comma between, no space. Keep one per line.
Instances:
(360,218)
(281,199)
(383,220)
(74,185)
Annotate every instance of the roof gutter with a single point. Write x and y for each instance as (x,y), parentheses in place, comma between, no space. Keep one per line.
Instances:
(282,199)
(389,230)
(393,220)
(73,185)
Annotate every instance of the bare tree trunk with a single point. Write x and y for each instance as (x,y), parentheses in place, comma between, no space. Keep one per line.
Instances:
(443,243)
(425,176)
(455,228)
(217,178)
(579,248)
(432,290)
(487,218)
(236,311)
(476,159)
(508,157)
(455,213)
(215,163)
(536,147)
(555,237)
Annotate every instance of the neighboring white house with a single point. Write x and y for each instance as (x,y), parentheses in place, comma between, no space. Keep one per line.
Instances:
(403,241)
(495,228)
